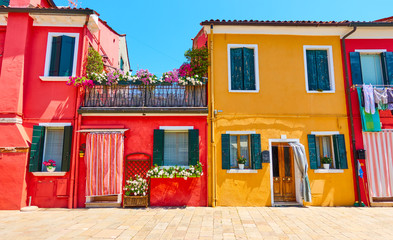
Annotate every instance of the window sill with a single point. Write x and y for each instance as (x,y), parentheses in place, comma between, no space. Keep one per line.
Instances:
(244,91)
(242,171)
(313,91)
(49,174)
(54,79)
(328,171)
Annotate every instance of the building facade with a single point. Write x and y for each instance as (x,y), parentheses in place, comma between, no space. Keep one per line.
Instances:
(275,85)
(42,46)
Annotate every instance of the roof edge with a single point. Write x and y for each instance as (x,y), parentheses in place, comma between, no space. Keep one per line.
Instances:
(48,10)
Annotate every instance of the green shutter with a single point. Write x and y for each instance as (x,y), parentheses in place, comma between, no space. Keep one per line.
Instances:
(322,69)
(256,156)
(55,56)
(66,56)
(193,146)
(340,152)
(312,150)
(312,70)
(36,150)
(237,69)
(121,64)
(249,69)
(226,151)
(158,147)
(67,142)
(356,69)
(387,66)
(4,3)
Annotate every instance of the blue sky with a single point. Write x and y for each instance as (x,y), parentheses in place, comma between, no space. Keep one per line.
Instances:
(160,31)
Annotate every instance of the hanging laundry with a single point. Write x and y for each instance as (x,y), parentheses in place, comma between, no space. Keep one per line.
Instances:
(370,122)
(381,98)
(369,103)
(390,99)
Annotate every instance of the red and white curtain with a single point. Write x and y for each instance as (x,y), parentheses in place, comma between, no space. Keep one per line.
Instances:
(104,162)
(379,162)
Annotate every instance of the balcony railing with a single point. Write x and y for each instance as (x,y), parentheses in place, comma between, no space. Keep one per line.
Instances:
(173,95)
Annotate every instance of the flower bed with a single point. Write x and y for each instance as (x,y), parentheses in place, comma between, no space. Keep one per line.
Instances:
(175,172)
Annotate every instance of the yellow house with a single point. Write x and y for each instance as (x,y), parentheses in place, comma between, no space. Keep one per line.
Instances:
(275,85)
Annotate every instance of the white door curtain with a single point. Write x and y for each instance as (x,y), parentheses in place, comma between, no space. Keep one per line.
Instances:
(301,162)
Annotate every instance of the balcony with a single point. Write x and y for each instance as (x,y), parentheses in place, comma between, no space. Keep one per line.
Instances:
(171,98)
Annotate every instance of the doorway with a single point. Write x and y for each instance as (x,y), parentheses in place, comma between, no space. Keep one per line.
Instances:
(283,170)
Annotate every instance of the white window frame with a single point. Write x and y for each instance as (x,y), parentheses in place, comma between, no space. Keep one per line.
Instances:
(256,67)
(45,140)
(329,50)
(175,129)
(46,76)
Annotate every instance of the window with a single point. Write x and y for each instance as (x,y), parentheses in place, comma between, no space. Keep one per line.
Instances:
(176,147)
(50,142)
(325,144)
(373,67)
(236,145)
(121,64)
(61,54)
(319,68)
(243,68)
(240,147)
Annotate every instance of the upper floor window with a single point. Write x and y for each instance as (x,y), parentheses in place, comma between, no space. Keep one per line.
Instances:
(372,66)
(61,54)
(243,68)
(121,64)
(319,68)
(4,3)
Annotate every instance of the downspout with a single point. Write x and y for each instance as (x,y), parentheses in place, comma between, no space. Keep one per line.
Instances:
(212,120)
(348,93)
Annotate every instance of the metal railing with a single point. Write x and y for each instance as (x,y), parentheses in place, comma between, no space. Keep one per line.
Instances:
(173,95)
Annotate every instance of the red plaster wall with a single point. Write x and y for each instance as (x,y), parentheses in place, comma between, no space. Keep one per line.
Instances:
(110,42)
(139,138)
(386,116)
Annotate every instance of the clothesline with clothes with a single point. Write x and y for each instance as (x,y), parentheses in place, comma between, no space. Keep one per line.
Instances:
(376,97)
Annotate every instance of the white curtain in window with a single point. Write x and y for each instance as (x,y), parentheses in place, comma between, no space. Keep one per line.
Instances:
(176,149)
(371,69)
(233,151)
(326,146)
(244,152)
(53,146)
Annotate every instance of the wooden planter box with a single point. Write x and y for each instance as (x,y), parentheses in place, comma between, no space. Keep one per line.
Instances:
(135,201)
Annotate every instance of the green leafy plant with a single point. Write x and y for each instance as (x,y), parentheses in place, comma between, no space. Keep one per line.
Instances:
(136,186)
(94,62)
(199,60)
(326,160)
(241,160)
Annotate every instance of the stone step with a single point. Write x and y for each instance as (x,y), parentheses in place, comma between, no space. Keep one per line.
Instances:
(103,204)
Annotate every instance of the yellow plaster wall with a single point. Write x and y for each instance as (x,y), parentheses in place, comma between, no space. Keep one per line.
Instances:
(281,107)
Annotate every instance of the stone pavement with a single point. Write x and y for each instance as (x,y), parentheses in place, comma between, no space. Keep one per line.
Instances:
(199,223)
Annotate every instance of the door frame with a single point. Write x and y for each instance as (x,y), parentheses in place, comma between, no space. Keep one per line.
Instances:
(297,173)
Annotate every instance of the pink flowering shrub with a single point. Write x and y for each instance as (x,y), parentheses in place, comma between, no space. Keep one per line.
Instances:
(145,77)
(185,70)
(80,82)
(50,163)
(171,76)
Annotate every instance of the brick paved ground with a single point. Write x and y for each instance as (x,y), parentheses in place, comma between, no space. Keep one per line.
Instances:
(199,223)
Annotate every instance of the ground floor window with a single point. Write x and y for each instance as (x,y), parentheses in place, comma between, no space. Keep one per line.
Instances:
(327,145)
(176,147)
(50,143)
(235,146)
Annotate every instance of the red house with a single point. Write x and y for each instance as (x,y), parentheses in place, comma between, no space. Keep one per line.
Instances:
(41,46)
(368,51)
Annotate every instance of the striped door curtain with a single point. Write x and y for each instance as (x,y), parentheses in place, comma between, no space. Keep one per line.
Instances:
(379,162)
(104,163)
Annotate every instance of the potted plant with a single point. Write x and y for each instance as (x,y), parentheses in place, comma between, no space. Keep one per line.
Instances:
(50,165)
(241,161)
(82,150)
(136,192)
(326,161)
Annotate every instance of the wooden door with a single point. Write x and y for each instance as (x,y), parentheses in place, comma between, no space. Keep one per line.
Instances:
(283,173)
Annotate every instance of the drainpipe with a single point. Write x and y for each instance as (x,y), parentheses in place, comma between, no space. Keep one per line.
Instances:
(212,120)
(348,93)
